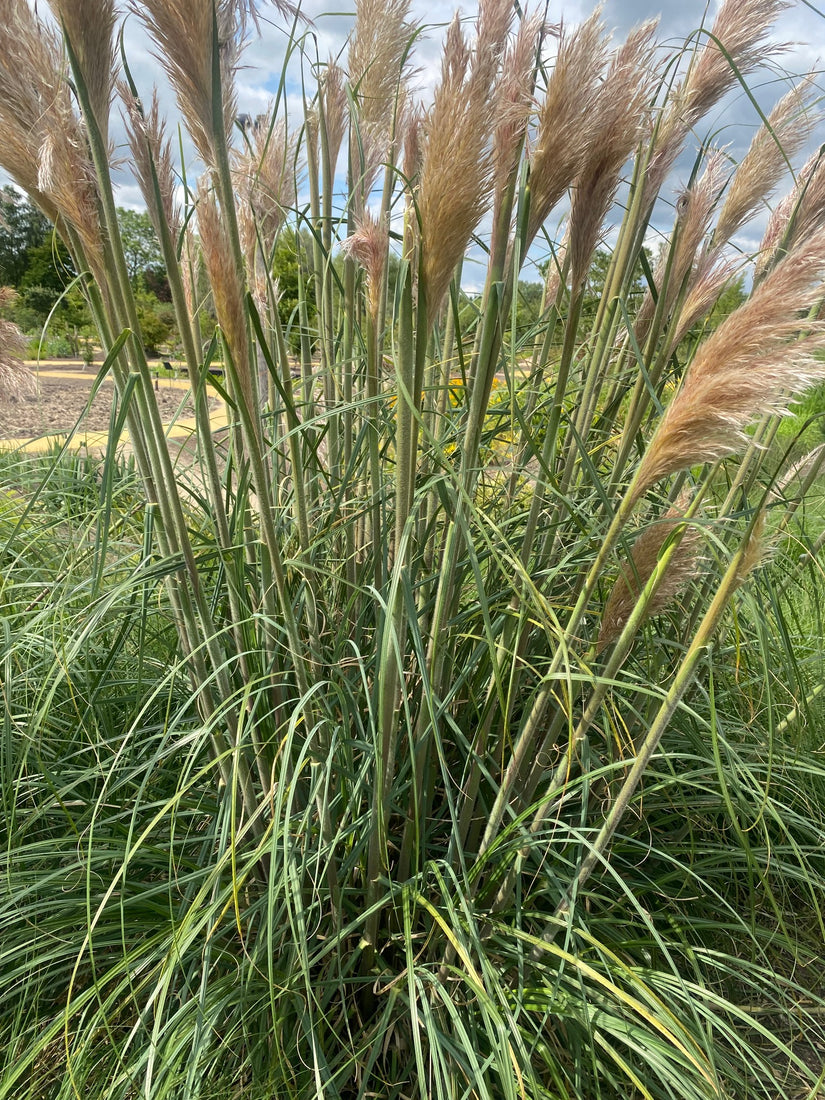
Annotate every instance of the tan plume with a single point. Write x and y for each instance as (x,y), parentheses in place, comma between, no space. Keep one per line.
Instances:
(694,209)
(152,158)
(15,379)
(334,111)
(737,44)
(264,177)
(515,101)
(763,166)
(183,35)
(89,26)
(800,213)
(761,353)
(620,114)
(369,245)
(456,161)
(227,288)
(644,558)
(44,147)
(376,62)
(561,141)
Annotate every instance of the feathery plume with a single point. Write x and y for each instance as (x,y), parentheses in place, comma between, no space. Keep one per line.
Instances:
(15,379)
(227,289)
(766,161)
(368,246)
(801,469)
(644,557)
(694,208)
(44,147)
(183,35)
(89,26)
(755,549)
(333,109)
(456,166)
(737,44)
(152,156)
(514,102)
(555,268)
(377,51)
(412,133)
(800,213)
(31,72)
(191,269)
(265,182)
(247,11)
(747,367)
(739,31)
(809,464)
(562,125)
(619,117)
(710,275)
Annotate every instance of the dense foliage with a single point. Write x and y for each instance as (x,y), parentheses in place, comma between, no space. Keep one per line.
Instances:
(447,723)
(48,304)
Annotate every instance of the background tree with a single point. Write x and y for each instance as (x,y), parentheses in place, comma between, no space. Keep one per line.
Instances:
(23,229)
(140,243)
(147,273)
(290,271)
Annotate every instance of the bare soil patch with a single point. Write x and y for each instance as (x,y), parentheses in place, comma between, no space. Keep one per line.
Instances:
(61,397)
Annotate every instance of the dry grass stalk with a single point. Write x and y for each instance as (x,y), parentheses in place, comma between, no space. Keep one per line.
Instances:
(377,51)
(89,26)
(369,245)
(264,177)
(562,125)
(797,216)
(763,166)
(619,116)
(515,100)
(742,27)
(456,164)
(152,155)
(747,367)
(182,33)
(227,287)
(44,147)
(644,558)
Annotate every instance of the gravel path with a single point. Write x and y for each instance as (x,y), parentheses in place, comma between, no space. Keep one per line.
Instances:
(62,394)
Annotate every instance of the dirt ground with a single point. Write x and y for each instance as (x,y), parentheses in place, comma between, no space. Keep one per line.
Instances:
(61,395)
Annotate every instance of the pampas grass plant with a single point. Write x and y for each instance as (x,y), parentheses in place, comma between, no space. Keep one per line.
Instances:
(441,727)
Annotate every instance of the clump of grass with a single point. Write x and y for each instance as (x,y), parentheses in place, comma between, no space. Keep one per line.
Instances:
(349,762)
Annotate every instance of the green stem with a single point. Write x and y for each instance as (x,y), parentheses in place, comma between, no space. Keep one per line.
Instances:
(681,682)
